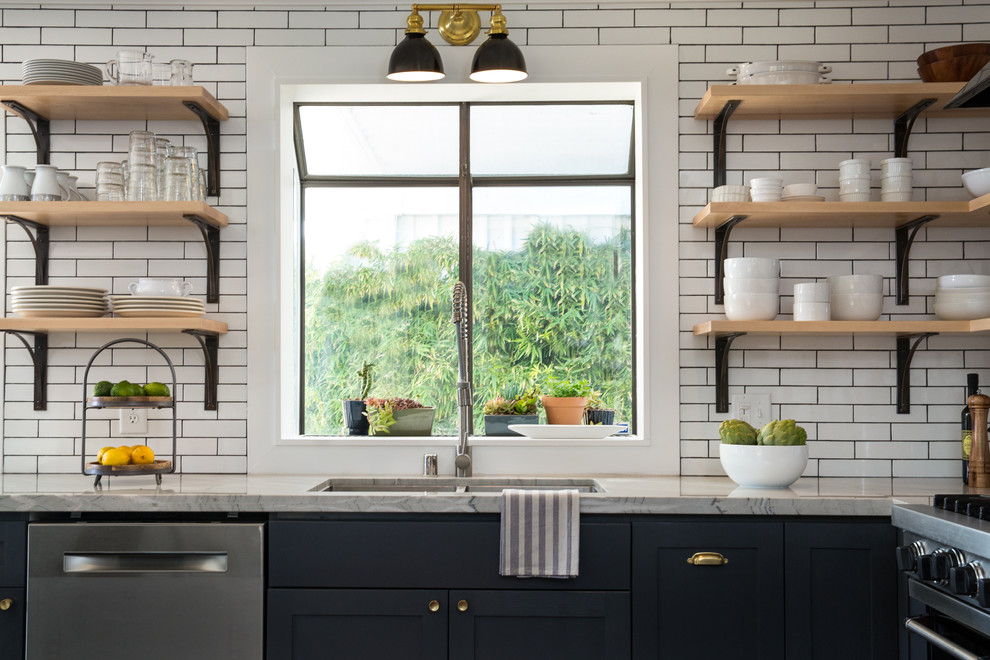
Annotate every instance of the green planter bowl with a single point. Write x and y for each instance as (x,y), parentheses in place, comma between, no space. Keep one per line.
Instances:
(413,421)
(499,424)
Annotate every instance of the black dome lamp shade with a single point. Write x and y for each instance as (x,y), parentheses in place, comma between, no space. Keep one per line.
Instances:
(498,60)
(415,59)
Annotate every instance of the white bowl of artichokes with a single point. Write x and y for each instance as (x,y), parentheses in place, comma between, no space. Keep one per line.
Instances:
(773,457)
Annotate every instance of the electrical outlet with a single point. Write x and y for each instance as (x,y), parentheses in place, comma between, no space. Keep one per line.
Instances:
(134,421)
(751,408)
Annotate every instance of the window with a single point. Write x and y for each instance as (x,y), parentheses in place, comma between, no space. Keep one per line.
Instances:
(529,203)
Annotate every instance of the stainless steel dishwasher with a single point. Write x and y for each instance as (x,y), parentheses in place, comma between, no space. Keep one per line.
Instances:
(155,591)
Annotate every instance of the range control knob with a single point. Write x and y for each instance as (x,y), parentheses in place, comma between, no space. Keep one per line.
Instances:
(935,567)
(924,568)
(983,592)
(964,580)
(907,556)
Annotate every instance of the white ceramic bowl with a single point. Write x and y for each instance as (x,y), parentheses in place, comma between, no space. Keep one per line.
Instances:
(783,78)
(854,197)
(812,311)
(807,292)
(962,310)
(896,182)
(952,295)
(766,182)
(758,196)
(856,306)
(854,162)
(977,182)
(854,185)
(751,306)
(763,466)
(751,285)
(730,193)
(890,166)
(963,280)
(750,267)
(800,190)
(898,196)
(863,283)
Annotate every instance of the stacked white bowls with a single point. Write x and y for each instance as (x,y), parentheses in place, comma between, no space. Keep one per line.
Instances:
(811,302)
(731,193)
(855,297)
(766,189)
(752,286)
(962,297)
(895,180)
(854,180)
(977,182)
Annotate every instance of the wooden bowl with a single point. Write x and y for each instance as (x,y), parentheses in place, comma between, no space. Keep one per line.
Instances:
(957,69)
(949,52)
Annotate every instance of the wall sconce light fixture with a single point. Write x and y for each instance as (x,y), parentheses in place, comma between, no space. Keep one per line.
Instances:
(417,60)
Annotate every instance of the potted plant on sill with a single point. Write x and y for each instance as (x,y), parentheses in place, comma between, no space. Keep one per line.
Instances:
(398,416)
(354,409)
(513,406)
(595,411)
(565,400)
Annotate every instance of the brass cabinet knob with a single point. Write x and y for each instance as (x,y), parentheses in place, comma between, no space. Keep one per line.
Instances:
(462,606)
(5,604)
(707,559)
(434,606)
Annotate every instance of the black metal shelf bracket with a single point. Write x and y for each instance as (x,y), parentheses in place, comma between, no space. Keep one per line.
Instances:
(719,128)
(903,125)
(722,344)
(41,129)
(211,237)
(212,128)
(40,241)
(721,248)
(905,352)
(210,343)
(39,357)
(905,237)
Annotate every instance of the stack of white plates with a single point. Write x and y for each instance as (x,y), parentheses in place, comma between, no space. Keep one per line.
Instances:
(63,301)
(161,306)
(59,72)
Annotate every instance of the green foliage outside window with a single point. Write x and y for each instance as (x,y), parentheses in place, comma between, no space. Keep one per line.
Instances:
(560,306)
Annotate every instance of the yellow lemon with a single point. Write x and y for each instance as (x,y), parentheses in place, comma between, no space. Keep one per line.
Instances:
(126,449)
(99,454)
(142,455)
(116,457)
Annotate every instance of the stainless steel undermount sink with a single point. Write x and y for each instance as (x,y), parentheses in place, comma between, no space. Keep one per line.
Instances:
(452,484)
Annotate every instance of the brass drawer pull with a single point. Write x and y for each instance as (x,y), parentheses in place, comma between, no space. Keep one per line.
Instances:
(5,604)
(462,606)
(434,606)
(707,559)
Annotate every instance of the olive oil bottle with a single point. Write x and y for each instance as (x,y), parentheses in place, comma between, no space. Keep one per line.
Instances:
(972,387)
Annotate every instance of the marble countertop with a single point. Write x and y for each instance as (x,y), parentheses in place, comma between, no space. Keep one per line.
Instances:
(623,495)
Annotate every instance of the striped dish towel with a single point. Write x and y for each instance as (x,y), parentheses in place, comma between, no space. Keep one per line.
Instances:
(539,533)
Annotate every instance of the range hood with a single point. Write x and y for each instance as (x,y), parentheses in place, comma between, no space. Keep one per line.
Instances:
(975,94)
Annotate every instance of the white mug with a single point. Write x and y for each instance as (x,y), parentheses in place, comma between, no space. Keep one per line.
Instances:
(159,286)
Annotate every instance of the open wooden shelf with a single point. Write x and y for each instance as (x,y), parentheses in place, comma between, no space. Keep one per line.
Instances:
(836,100)
(112,324)
(109,214)
(113,102)
(840,327)
(965,213)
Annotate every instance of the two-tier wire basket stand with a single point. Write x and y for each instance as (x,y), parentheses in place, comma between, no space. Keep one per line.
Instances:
(158,467)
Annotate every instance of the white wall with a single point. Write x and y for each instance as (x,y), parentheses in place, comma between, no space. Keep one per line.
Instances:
(840,387)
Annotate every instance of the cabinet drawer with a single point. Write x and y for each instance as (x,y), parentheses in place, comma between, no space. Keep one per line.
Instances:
(13,553)
(427,554)
(12,624)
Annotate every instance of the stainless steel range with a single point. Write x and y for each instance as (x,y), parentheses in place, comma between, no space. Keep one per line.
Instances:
(946,557)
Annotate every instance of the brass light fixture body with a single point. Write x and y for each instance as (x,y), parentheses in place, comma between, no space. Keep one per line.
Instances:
(459,25)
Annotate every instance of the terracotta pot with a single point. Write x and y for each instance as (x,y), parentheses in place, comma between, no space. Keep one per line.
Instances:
(564,409)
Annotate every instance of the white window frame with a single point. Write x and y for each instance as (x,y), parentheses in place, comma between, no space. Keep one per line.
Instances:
(277,78)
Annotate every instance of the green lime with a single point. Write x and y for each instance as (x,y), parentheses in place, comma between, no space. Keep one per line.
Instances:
(156,389)
(102,388)
(126,388)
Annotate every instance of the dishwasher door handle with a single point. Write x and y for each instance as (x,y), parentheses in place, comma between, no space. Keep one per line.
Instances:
(144,562)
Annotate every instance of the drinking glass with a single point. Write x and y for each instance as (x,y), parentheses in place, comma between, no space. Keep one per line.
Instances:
(177,181)
(181,72)
(141,183)
(110,192)
(132,67)
(161,74)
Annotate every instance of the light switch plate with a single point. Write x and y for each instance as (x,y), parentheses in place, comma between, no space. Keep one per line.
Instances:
(134,421)
(751,408)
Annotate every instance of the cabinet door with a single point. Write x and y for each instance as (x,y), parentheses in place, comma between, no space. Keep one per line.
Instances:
(13,552)
(12,624)
(370,624)
(708,612)
(841,590)
(539,625)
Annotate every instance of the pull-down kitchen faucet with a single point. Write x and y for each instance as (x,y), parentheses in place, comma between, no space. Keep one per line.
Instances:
(462,461)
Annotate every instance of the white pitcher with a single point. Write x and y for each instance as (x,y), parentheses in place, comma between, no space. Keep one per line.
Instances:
(13,185)
(45,187)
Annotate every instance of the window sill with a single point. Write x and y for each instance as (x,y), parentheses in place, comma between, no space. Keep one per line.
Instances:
(449,440)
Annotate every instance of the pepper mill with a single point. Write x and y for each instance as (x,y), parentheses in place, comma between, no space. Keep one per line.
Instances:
(979,456)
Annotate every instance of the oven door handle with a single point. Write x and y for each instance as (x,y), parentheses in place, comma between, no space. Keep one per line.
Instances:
(917,626)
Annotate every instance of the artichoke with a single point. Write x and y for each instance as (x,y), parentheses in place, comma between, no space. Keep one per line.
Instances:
(737,432)
(782,432)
